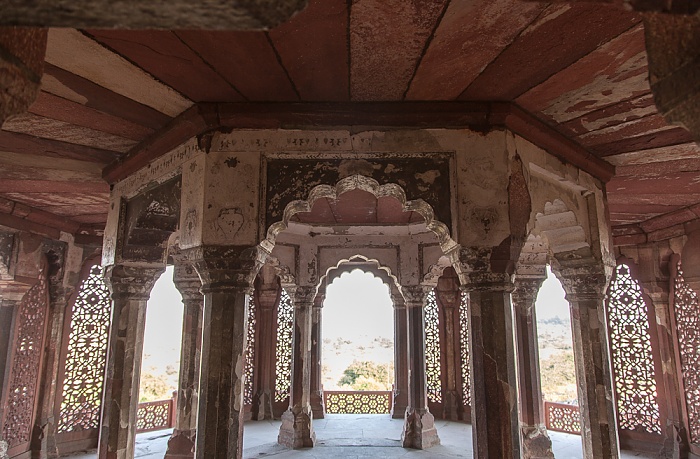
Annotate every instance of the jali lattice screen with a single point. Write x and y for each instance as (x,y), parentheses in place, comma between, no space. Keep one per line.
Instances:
(87,355)
(464,349)
(632,361)
(283,363)
(686,307)
(26,363)
(250,353)
(432,348)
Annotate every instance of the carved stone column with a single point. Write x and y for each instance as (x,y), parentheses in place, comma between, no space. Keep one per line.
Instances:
(266,323)
(316,347)
(584,283)
(400,402)
(536,442)
(448,295)
(130,287)
(45,426)
(181,443)
(227,274)
(495,425)
(419,426)
(21,67)
(297,422)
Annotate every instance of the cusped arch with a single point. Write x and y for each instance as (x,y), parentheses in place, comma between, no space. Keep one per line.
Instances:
(378,269)
(368,184)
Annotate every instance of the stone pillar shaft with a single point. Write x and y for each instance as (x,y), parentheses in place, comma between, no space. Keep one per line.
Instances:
(448,296)
(495,426)
(181,443)
(585,287)
(131,287)
(400,402)
(8,309)
(419,426)
(220,416)
(536,442)
(316,348)
(265,356)
(297,422)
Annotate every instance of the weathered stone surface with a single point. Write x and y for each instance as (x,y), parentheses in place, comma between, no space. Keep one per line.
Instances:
(237,15)
(21,66)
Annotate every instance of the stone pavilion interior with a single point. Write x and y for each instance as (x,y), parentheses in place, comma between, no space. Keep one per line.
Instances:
(453,148)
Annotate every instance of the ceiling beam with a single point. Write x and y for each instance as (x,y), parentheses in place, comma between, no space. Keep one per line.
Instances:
(477,116)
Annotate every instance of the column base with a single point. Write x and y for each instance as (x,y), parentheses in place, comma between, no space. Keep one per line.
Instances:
(536,443)
(453,408)
(262,407)
(317,407)
(297,429)
(419,430)
(399,405)
(181,445)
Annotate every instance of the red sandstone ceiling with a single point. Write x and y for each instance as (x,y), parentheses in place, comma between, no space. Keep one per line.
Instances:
(581,69)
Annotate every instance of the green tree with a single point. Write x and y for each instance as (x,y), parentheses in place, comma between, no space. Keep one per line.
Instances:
(368,375)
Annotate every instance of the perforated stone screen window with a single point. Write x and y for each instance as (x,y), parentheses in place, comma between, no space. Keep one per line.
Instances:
(464,349)
(632,361)
(432,348)
(283,363)
(250,353)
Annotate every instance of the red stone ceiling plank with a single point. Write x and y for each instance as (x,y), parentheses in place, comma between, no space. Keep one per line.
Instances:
(162,54)
(659,169)
(73,212)
(612,115)
(91,218)
(246,60)
(470,35)
(49,128)
(313,47)
(101,99)
(667,153)
(616,195)
(615,71)
(659,139)
(48,186)
(560,36)
(634,128)
(387,39)
(645,210)
(58,108)
(39,200)
(24,143)
(671,184)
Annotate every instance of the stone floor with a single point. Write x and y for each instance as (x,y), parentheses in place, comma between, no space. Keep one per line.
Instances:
(353,437)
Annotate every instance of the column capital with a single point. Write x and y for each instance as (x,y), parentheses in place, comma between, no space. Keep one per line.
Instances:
(226,267)
(526,290)
(583,281)
(187,280)
(480,281)
(414,295)
(302,295)
(134,282)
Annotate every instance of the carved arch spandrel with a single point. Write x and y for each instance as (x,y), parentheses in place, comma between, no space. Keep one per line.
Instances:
(360,182)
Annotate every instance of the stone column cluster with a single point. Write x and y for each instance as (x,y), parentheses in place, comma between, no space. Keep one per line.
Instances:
(419,425)
(400,402)
(186,280)
(131,287)
(297,422)
(536,442)
(263,400)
